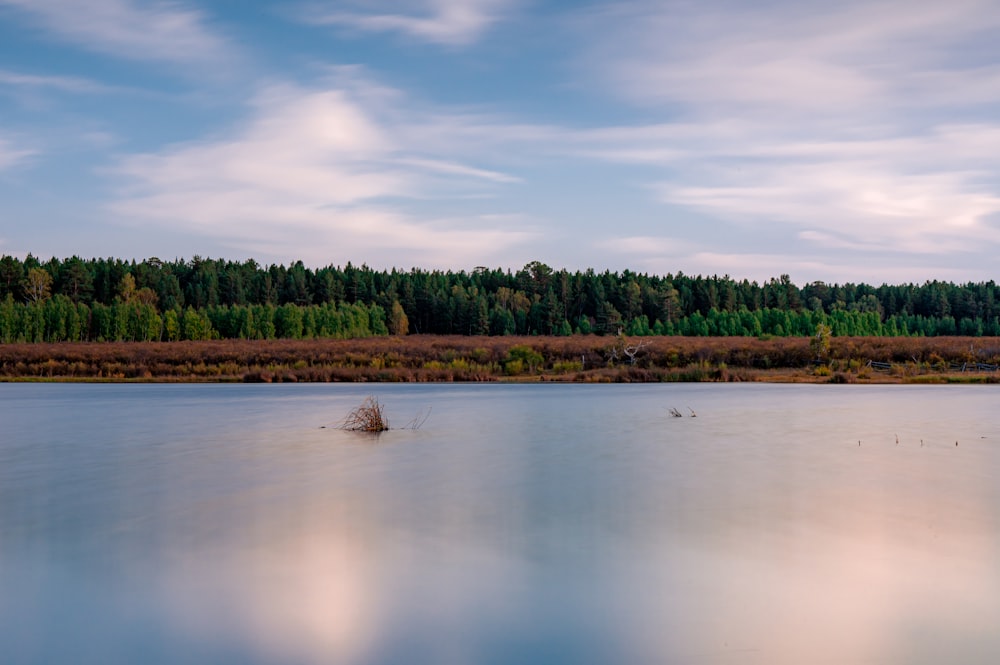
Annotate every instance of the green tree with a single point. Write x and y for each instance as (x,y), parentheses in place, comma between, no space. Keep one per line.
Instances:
(11,278)
(171,326)
(288,322)
(75,280)
(195,325)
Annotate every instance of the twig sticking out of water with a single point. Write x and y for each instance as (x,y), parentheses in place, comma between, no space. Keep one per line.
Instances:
(366,418)
(675,413)
(693,414)
(418,420)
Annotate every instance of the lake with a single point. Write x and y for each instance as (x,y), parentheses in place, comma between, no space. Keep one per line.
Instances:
(520,524)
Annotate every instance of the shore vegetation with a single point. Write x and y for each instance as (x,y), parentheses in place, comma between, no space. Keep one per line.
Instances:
(576,358)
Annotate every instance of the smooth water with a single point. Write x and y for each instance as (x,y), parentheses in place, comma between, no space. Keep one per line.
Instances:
(519,524)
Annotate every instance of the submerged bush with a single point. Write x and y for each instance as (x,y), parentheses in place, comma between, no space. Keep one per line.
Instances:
(366,418)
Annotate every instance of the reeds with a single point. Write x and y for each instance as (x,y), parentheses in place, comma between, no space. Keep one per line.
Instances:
(368,417)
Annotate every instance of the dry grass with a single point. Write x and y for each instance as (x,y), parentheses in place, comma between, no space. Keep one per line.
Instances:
(420,358)
(369,417)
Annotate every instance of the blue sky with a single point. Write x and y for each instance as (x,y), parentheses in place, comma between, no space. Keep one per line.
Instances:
(851,141)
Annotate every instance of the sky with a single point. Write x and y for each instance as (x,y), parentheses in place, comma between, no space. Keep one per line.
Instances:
(856,141)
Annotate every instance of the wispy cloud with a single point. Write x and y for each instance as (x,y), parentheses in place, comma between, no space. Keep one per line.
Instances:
(10,154)
(317,174)
(73,84)
(445,22)
(792,58)
(649,245)
(451,168)
(863,125)
(837,261)
(932,192)
(134,29)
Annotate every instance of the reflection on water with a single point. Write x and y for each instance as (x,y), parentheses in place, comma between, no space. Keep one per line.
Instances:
(521,524)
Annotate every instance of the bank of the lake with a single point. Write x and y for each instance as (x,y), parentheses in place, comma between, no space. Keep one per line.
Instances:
(576,359)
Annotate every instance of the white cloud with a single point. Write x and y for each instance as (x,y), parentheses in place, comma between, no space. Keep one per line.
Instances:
(905,193)
(649,245)
(458,169)
(856,125)
(313,175)
(851,264)
(928,194)
(11,155)
(134,29)
(446,22)
(61,83)
(790,58)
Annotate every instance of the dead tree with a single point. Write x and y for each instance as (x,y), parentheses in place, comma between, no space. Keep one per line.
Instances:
(622,347)
(630,351)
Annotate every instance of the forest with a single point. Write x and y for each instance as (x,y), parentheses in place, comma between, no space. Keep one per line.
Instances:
(113,300)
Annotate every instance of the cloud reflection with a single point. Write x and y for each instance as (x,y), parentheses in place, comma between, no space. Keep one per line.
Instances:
(303,596)
(879,561)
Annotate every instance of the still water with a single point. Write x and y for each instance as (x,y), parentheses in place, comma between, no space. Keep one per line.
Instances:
(520,524)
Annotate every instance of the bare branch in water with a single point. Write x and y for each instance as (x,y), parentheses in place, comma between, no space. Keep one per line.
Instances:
(418,420)
(370,417)
(366,418)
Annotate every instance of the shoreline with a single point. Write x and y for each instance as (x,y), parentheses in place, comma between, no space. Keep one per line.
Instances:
(574,359)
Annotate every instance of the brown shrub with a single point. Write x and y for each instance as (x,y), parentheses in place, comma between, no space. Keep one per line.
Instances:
(453,358)
(369,417)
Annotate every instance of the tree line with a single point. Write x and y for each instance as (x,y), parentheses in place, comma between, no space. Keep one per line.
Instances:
(116,300)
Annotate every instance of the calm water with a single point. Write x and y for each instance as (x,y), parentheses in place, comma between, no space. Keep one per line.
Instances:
(520,524)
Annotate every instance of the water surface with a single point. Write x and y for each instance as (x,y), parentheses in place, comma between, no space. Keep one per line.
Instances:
(520,524)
